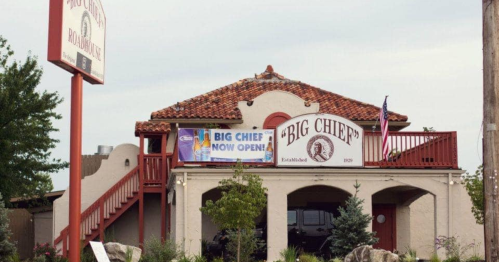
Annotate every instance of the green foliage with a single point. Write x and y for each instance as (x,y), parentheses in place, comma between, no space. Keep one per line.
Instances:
(49,253)
(308,258)
(350,226)
(409,256)
(434,258)
(25,125)
(7,249)
(14,258)
(199,258)
(243,199)
(155,251)
(128,254)
(336,259)
(289,254)
(454,250)
(39,259)
(218,259)
(474,186)
(248,245)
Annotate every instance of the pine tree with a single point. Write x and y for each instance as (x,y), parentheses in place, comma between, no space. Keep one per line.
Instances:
(7,248)
(350,226)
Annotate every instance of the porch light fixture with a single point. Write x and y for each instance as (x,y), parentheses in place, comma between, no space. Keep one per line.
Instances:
(127,162)
(182,182)
(451,182)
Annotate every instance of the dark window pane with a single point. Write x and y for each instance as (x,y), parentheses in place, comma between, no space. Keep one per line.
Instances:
(313,217)
(292,218)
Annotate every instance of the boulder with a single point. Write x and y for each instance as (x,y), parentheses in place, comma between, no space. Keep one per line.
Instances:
(369,254)
(117,252)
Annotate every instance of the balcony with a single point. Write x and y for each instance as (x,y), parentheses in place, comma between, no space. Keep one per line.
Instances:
(412,150)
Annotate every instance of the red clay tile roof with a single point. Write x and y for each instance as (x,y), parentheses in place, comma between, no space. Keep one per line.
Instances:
(151,127)
(222,103)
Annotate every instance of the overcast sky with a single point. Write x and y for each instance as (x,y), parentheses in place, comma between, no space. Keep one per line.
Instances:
(426,55)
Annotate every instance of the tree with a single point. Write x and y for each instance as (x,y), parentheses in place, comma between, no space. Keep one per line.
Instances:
(350,226)
(7,248)
(243,199)
(474,186)
(25,126)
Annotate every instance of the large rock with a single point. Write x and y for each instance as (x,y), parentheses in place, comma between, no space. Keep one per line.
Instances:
(117,252)
(369,254)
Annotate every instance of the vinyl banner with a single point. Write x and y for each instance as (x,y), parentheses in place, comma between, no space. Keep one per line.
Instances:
(320,140)
(225,145)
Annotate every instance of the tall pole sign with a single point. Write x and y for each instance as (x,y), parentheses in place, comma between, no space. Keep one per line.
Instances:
(491,128)
(76,43)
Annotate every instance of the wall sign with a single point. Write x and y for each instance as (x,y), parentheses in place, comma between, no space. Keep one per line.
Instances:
(77,34)
(320,140)
(224,145)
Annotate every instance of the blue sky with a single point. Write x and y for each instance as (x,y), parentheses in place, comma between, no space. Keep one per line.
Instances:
(426,55)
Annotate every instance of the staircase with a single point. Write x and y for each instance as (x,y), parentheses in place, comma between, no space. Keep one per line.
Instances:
(103,212)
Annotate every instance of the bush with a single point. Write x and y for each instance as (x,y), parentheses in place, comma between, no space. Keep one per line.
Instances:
(155,251)
(289,254)
(308,258)
(47,251)
(454,250)
(336,259)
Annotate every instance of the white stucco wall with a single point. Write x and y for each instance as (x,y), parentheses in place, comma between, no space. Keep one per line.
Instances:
(94,186)
(269,103)
(281,182)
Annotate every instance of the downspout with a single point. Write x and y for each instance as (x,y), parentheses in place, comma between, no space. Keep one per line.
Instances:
(184,184)
(449,215)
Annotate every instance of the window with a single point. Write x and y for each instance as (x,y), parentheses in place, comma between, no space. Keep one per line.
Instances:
(292,218)
(313,217)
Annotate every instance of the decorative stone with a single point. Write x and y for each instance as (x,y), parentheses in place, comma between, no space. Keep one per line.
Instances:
(369,254)
(117,252)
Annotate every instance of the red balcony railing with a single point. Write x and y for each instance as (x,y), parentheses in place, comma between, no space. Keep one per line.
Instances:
(153,171)
(412,150)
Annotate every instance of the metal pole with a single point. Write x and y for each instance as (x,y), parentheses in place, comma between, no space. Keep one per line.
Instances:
(75,167)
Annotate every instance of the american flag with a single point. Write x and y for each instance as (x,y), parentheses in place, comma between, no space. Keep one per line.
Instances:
(383,120)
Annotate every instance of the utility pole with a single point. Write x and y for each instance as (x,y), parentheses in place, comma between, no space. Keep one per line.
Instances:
(490,9)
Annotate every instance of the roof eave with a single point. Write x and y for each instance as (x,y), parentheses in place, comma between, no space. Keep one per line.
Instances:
(198,120)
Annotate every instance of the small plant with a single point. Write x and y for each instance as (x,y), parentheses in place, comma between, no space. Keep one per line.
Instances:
(454,250)
(199,258)
(475,254)
(46,250)
(185,259)
(7,248)
(14,258)
(434,258)
(409,256)
(39,259)
(289,254)
(218,259)
(336,259)
(155,251)
(128,254)
(308,258)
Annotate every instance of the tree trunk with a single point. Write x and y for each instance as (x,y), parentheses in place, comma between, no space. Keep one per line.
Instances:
(490,9)
(238,244)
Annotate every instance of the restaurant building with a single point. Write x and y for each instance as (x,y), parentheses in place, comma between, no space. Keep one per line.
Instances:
(309,145)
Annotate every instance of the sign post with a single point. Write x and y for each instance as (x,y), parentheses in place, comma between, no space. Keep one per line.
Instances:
(76,43)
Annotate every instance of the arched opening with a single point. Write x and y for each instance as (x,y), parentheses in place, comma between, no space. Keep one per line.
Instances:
(214,241)
(310,213)
(403,218)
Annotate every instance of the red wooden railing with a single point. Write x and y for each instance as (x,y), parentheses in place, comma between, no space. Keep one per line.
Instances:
(412,150)
(104,211)
(152,169)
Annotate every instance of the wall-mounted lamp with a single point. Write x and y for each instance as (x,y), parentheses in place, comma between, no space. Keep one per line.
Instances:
(181,182)
(451,182)
(127,162)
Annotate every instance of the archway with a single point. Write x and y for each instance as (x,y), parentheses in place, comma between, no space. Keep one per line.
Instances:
(403,218)
(211,234)
(310,213)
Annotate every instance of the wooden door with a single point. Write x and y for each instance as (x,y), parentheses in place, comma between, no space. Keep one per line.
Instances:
(384,224)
